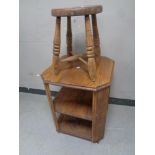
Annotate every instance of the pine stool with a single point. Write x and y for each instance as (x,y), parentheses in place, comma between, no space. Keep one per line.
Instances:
(92,55)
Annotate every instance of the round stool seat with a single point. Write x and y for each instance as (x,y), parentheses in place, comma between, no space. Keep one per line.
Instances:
(77,11)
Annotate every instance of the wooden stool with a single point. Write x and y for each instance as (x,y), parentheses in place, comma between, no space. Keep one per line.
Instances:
(92,56)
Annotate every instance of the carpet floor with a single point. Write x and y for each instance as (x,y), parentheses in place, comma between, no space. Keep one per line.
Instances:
(38,136)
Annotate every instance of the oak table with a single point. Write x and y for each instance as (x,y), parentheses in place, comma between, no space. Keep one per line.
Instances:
(81,103)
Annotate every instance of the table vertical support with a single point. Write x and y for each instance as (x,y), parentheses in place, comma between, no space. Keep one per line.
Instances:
(99,109)
(50,102)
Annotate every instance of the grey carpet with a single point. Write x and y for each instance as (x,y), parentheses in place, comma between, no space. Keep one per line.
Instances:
(38,135)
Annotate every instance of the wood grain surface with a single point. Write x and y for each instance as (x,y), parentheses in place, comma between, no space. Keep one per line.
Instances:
(96,38)
(77,11)
(56,44)
(90,49)
(78,78)
(100,106)
(69,36)
(50,102)
(74,102)
(75,126)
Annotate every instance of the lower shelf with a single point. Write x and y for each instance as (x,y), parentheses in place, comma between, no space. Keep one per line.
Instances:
(75,126)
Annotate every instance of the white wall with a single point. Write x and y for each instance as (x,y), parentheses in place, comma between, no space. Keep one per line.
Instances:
(116,28)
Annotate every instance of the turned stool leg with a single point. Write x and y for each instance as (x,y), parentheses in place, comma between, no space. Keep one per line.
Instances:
(56,44)
(96,37)
(69,36)
(90,50)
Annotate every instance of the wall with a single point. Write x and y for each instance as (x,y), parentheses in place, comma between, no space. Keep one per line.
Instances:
(116,27)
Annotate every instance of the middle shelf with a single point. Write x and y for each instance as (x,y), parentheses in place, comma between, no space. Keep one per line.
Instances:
(74,102)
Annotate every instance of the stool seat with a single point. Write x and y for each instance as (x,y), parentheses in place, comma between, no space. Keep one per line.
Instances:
(77,11)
